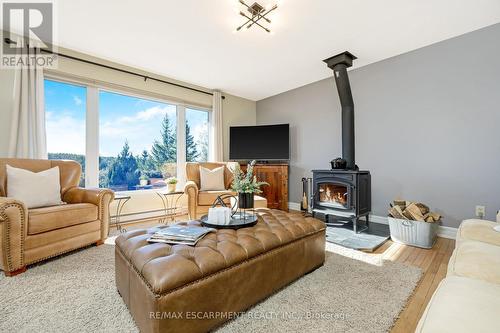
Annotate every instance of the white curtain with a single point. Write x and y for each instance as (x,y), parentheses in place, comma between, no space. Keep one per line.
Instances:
(216,130)
(28,137)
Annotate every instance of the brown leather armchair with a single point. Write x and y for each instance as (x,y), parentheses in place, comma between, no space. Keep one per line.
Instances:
(200,201)
(32,235)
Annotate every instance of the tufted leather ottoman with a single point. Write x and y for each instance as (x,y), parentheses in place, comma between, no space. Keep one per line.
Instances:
(178,288)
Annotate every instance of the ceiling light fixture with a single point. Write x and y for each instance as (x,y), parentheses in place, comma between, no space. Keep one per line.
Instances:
(257,13)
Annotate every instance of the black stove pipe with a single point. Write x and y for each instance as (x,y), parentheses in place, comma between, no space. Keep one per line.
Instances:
(339,63)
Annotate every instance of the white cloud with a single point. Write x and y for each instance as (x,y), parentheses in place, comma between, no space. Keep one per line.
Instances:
(65,134)
(77,100)
(139,129)
(148,114)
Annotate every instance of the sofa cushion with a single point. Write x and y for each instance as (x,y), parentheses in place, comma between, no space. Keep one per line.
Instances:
(56,217)
(207,198)
(478,230)
(476,260)
(462,305)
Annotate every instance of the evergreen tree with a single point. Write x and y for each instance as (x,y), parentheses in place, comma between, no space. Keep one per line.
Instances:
(202,143)
(145,163)
(124,170)
(165,150)
(191,152)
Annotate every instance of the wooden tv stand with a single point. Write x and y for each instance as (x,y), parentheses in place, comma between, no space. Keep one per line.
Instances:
(276,174)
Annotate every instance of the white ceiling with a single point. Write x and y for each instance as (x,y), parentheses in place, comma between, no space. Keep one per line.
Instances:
(193,40)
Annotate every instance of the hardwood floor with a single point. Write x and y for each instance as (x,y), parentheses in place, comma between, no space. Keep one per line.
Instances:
(434,263)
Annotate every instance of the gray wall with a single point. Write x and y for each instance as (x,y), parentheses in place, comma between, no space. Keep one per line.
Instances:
(427,126)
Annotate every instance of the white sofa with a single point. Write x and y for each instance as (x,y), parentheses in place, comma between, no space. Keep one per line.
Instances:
(468,299)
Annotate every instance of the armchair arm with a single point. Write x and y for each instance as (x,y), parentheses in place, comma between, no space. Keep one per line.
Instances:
(100,197)
(13,221)
(191,191)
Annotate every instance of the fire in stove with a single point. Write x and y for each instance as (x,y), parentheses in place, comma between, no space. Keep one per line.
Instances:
(335,195)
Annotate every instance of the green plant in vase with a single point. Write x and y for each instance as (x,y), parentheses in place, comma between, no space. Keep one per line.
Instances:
(143,179)
(171,184)
(246,185)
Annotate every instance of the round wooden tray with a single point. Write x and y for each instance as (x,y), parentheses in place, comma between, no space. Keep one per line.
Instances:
(236,222)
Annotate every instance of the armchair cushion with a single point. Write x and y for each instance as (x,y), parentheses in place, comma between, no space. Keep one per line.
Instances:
(51,218)
(212,180)
(207,198)
(193,171)
(35,189)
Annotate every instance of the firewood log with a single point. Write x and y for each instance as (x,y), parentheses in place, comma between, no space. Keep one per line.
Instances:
(413,212)
(435,216)
(423,208)
(396,212)
(400,203)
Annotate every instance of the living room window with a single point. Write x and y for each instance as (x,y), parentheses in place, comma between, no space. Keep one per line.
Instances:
(123,140)
(65,119)
(137,141)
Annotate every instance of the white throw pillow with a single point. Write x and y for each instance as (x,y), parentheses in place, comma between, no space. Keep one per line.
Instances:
(34,189)
(212,180)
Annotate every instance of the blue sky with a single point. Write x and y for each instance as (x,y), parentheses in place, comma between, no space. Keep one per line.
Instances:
(120,118)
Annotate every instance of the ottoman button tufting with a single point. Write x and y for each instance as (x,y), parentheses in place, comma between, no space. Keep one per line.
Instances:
(224,272)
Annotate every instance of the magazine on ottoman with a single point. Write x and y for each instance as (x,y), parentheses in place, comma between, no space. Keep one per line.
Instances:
(180,234)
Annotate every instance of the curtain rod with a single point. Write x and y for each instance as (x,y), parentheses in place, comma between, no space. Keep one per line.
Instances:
(146,77)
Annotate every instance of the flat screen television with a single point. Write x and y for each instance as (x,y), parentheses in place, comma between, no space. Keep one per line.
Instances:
(263,143)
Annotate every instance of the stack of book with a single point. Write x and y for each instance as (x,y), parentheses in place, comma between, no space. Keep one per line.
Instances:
(180,234)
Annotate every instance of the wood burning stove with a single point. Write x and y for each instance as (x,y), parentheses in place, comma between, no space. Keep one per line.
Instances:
(343,195)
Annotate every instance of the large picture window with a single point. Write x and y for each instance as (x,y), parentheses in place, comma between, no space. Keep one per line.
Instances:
(123,141)
(65,114)
(137,141)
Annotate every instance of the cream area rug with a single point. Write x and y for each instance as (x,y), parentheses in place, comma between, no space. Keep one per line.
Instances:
(352,292)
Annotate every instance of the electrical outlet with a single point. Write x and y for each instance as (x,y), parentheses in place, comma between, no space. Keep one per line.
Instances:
(480,211)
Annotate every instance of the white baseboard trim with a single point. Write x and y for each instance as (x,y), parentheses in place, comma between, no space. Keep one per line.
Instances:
(447,232)
(294,206)
(444,232)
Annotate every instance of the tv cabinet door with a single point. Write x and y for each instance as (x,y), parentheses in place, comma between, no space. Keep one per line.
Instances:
(276,192)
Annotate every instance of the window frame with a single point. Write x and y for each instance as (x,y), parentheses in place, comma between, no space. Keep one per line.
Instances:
(92,133)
